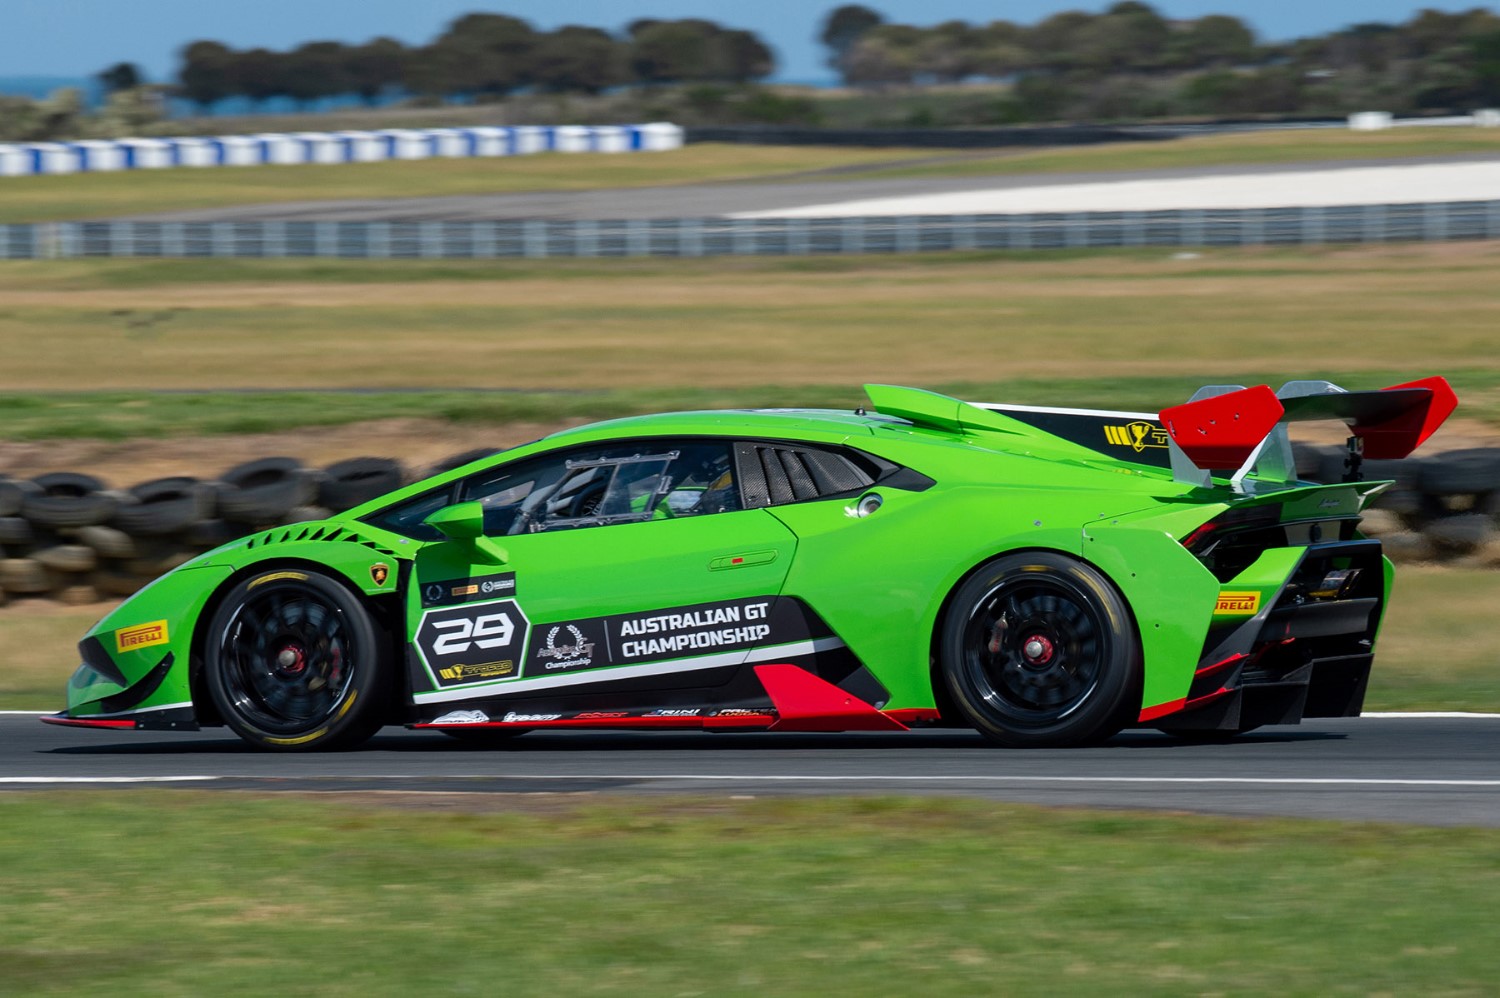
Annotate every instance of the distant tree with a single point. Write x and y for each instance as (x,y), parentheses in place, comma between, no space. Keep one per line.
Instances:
(843,27)
(694,50)
(889,54)
(374,67)
(740,56)
(1486,55)
(575,58)
(258,75)
(1127,37)
(1053,43)
(316,70)
(498,47)
(1001,50)
(1217,40)
(120,76)
(204,76)
(949,52)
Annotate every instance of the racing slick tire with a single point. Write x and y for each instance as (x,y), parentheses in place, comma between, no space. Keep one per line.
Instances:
(1038,650)
(294,662)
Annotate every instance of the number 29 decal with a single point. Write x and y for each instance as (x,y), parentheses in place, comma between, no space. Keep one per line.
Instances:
(475,642)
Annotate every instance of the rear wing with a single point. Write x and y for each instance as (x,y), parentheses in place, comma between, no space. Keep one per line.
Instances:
(1244,430)
(1227,428)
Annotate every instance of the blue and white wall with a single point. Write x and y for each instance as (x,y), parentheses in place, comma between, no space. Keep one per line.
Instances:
(30,159)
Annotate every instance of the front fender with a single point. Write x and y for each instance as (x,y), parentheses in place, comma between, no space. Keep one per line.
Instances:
(135,660)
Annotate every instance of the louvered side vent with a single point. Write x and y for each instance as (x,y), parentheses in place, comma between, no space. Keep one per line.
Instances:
(283,536)
(772,476)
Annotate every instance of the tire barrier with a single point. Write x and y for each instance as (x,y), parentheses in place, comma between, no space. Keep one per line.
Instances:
(276,149)
(1442,508)
(70,537)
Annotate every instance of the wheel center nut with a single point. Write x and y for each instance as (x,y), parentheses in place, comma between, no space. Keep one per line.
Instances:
(1037,649)
(287,658)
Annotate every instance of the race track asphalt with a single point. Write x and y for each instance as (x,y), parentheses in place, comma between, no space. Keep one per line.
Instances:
(1427,770)
(720,199)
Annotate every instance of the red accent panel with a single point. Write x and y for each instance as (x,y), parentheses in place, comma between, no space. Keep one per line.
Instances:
(87,722)
(807,703)
(1220,432)
(914,715)
(1206,699)
(1398,437)
(1162,710)
(1208,670)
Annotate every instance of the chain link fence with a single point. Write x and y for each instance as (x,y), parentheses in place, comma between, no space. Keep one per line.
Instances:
(692,237)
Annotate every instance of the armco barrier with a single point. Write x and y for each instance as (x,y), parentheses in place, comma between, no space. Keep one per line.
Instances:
(29,159)
(1434,222)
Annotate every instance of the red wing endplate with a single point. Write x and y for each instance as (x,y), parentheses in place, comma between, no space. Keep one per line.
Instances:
(1222,431)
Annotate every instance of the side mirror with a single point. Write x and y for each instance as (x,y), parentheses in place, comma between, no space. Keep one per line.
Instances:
(460,522)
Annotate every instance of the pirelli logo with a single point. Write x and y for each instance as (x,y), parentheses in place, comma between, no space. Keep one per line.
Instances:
(1137,436)
(1238,604)
(141,636)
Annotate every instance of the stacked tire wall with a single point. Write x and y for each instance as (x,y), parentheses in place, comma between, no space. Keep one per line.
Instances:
(70,537)
(1443,508)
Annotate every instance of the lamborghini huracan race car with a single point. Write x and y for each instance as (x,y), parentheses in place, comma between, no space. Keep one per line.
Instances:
(1046,576)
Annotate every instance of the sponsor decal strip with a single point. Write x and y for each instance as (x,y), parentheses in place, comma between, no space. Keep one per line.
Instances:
(696,664)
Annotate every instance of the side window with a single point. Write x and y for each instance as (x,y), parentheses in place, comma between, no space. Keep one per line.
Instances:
(773,474)
(619,483)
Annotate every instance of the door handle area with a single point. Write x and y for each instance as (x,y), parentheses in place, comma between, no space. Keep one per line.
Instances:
(745,560)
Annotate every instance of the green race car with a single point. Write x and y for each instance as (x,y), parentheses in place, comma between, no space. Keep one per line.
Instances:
(1046,576)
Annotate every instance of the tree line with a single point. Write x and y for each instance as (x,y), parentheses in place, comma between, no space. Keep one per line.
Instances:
(479,56)
(1127,61)
(1131,61)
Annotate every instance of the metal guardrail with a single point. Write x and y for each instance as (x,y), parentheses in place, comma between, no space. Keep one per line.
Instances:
(693,237)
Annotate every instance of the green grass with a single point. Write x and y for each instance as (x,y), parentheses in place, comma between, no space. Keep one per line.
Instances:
(182,893)
(627,327)
(99,195)
(1255,148)
(120,416)
(1432,608)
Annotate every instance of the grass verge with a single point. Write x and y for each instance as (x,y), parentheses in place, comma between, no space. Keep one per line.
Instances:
(604,327)
(182,893)
(1431,608)
(118,416)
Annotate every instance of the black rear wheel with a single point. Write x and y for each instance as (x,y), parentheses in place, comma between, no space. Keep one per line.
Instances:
(295,663)
(1039,650)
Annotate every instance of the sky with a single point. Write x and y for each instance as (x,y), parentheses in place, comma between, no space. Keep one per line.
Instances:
(81,37)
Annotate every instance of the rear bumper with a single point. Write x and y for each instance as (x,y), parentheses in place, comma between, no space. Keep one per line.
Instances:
(1298,657)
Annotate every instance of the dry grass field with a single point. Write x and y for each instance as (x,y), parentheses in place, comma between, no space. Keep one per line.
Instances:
(734,323)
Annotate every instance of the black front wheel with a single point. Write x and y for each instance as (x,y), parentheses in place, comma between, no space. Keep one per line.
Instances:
(1039,650)
(295,663)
